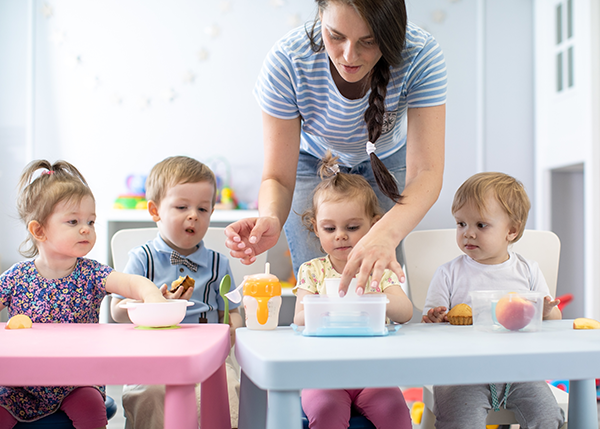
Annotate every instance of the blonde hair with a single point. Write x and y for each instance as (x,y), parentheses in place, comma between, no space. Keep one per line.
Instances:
(508,191)
(336,186)
(177,170)
(36,199)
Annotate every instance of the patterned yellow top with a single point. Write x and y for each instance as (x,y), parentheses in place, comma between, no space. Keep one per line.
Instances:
(312,275)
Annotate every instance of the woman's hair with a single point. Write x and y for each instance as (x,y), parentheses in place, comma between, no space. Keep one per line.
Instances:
(37,198)
(387,20)
(177,170)
(508,191)
(336,186)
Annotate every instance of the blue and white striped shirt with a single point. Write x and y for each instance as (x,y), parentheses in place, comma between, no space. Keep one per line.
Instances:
(296,81)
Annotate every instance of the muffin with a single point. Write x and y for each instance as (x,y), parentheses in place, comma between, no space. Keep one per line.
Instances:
(187,282)
(460,314)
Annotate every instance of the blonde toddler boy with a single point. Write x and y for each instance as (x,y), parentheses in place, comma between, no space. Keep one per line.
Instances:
(181,194)
(491,211)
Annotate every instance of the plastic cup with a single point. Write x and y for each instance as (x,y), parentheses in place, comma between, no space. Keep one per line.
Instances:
(332,288)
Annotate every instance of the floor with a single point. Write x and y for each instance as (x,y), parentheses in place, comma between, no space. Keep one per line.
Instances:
(118,421)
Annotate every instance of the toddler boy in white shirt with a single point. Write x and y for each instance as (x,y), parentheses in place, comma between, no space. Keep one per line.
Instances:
(491,211)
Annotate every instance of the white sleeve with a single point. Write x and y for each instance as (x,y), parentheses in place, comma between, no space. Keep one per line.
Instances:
(538,281)
(438,293)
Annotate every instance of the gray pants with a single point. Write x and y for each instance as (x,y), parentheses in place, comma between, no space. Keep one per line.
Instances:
(467,406)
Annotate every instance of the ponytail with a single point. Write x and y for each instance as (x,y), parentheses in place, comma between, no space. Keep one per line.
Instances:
(374,119)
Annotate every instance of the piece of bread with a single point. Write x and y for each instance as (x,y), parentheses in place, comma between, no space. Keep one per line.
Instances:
(460,314)
(584,323)
(187,282)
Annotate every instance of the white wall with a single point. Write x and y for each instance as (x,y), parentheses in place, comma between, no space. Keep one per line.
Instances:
(135,49)
(13,122)
(568,142)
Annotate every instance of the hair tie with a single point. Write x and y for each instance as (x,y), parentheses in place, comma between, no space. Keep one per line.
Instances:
(48,172)
(370,148)
(335,169)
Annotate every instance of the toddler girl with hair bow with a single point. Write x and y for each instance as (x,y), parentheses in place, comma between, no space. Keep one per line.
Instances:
(60,285)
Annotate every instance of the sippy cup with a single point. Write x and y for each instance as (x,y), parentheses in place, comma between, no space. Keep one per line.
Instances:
(262,300)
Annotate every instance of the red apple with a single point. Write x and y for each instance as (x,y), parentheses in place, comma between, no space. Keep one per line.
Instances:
(514,312)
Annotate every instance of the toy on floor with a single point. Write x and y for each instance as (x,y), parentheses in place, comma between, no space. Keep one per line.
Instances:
(416,412)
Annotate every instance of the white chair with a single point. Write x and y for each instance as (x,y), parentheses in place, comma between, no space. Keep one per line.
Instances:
(126,239)
(426,250)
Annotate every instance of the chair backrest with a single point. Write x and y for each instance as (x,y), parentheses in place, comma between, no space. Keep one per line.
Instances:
(126,239)
(426,250)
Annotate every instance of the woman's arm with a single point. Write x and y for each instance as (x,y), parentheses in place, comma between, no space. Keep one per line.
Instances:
(250,237)
(376,251)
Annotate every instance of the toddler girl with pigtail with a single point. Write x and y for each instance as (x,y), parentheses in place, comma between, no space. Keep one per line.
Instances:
(59,285)
(344,208)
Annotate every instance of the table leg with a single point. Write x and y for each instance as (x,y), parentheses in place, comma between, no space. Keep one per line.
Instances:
(583,410)
(253,405)
(180,407)
(214,401)
(284,410)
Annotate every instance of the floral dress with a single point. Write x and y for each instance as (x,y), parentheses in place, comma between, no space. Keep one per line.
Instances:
(312,275)
(75,298)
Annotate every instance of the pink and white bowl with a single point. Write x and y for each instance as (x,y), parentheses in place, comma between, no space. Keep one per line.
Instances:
(156,314)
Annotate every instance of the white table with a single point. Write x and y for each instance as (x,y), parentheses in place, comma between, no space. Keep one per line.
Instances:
(283,362)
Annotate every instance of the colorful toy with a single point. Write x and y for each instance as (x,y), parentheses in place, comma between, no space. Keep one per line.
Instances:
(226,199)
(564,300)
(136,196)
(416,412)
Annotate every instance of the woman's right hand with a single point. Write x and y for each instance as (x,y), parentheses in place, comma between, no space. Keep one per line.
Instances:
(250,237)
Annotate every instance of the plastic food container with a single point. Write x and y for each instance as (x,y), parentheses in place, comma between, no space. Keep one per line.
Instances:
(503,311)
(349,316)
(156,314)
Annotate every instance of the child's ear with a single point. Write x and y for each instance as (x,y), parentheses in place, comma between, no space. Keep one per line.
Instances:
(375,219)
(513,231)
(314,225)
(36,230)
(153,210)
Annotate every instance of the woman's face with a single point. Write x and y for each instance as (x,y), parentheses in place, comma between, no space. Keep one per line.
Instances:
(349,42)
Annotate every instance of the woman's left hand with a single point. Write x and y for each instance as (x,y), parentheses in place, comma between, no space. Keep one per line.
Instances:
(376,251)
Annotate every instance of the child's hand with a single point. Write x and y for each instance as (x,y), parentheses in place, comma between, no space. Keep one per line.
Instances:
(436,315)
(549,306)
(178,294)
(154,298)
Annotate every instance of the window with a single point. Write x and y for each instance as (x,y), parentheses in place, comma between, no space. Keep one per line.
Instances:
(565,54)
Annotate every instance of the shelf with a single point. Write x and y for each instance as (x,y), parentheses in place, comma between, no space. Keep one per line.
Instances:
(218,216)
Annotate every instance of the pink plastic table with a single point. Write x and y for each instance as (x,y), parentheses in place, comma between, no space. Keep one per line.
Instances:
(57,354)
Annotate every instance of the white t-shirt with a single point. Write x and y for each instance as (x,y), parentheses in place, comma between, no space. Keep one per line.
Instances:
(453,281)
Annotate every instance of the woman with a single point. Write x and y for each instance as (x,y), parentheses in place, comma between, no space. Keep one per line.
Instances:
(371,87)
